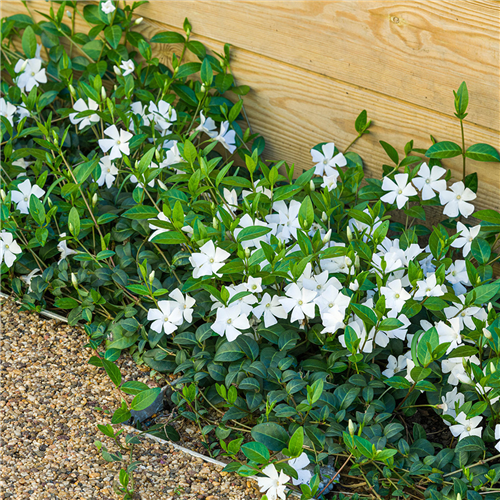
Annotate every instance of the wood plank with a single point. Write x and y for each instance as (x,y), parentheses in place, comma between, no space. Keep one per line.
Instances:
(417,51)
(294,109)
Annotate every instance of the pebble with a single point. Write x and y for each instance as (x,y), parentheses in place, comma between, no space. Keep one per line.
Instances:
(48,424)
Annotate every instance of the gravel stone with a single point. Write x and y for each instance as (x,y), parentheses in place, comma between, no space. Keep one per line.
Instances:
(48,424)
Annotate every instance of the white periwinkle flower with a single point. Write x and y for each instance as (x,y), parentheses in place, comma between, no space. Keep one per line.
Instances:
(167,317)
(108,7)
(395,295)
(118,142)
(108,172)
(399,190)
(497,436)
(7,110)
(429,288)
(467,235)
(303,475)
(226,137)
(23,194)
(63,248)
(208,261)
(466,427)
(9,248)
(429,181)
(456,200)
(163,114)
(274,484)
(271,309)
(327,158)
(81,106)
(28,277)
(230,321)
(300,302)
(185,304)
(127,67)
(207,125)
(32,74)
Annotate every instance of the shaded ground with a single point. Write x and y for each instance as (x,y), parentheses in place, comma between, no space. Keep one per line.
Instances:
(48,424)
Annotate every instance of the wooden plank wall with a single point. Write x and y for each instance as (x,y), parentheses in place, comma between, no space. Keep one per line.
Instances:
(314,65)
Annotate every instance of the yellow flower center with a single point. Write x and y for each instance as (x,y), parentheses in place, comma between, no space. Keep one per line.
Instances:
(6,247)
(458,197)
(118,142)
(25,198)
(254,287)
(32,73)
(268,304)
(229,321)
(325,162)
(427,181)
(400,191)
(397,295)
(300,302)
(165,319)
(212,261)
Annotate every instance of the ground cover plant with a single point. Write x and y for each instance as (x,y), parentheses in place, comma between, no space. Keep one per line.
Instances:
(314,314)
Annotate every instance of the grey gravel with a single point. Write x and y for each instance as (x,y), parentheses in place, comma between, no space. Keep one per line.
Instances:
(48,424)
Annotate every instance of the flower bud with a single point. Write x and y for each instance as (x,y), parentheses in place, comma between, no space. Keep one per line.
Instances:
(490,306)
(247,252)
(203,88)
(2,194)
(459,496)
(117,70)
(324,217)
(151,277)
(354,286)
(215,223)
(328,235)
(161,184)
(23,67)
(74,280)
(157,155)
(487,333)
(139,20)
(94,200)
(49,201)
(351,427)
(56,138)
(70,228)
(348,262)
(312,186)
(349,233)
(68,13)
(356,262)
(72,91)
(115,87)
(492,367)
(103,93)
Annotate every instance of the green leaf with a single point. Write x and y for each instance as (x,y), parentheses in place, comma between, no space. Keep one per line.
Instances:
(306,214)
(37,210)
(481,250)
(74,222)
(141,212)
(168,37)
(484,293)
(93,49)
(29,42)
(365,314)
(145,399)
(113,35)
(121,415)
(482,152)
(271,435)
(113,372)
(252,232)
(134,387)
(488,216)
(169,238)
(364,446)
(66,303)
(190,153)
(228,352)
(360,123)
(188,69)
(296,442)
(391,152)
(206,74)
(444,149)
(83,171)
(461,99)
(256,452)
(470,443)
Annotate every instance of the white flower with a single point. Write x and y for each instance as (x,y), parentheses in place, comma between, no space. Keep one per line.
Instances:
(246,302)
(167,317)
(399,191)
(23,194)
(320,282)
(429,288)
(333,318)
(63,248)
(28,277)
(330,178)
(395,295)
(22,163)
(207,125)
(258,189)
(108,7)
(331,299)
(354,286)
(231,197)
(128,67)
(81,106)
(395,365)
(22,111)
(9,248)
(361,226)
(300,302)
(7,110)
(429,180)
(229,321)
(327,158)
(208,261)
(226,137)
(451,400)
(464,241)
(271,309)
(497,436)
(118,142)
(455,367)
(254,285)
(274,484)
(455,201)
(449,333)
(286,220)
(457,275)
(185,304)
(300,464)
(143,177)
(142,110)
(173,155)
(386,264)
(158,230)
(108,172)
(466,427)
(32,75)
(465,314)
(163,114)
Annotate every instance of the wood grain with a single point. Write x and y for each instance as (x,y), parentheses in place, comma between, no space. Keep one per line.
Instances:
(416,51)
(294,109)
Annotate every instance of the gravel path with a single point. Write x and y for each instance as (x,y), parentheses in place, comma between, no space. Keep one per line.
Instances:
(48,424)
